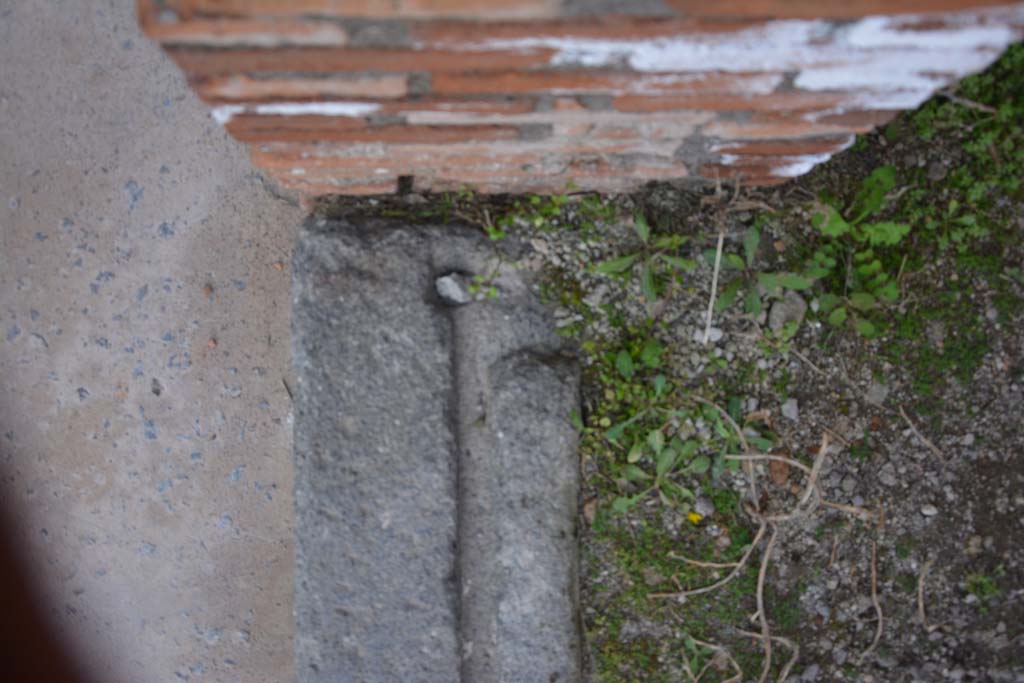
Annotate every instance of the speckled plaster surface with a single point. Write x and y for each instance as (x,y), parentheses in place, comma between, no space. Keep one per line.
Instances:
(145,438)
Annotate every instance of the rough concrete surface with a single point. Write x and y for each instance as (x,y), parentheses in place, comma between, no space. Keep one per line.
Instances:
(436,475)
(375,482)
(144,424)
(518,480)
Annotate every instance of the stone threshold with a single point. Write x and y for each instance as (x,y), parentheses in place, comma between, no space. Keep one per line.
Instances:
(436,468)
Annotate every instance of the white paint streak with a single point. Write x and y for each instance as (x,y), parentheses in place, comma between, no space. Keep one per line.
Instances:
(793,165)
(351,109)
(885,32)
(225,113)
(800,165)
(887,62)
(778,45)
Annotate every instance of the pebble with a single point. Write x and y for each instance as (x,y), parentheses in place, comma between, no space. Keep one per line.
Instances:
(968,440)
(704,507)
(974,545)
(452,289)
(936,171)
(791,409)
(929,510)
(887,475)
(791,308)
(715,334)
(876,393)
(811,673)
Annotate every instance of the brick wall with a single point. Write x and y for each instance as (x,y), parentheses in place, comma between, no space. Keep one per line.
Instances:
(346,97)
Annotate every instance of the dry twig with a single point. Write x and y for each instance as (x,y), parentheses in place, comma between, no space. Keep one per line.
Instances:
(714,286)
(874,600)
(728,657)
(811,489)
(920,597)
(970,104)
(721,582)
(699,563)
(747,467)
(786,642)
(851,509)
(748,457)
(932,447)
(766,633)
(728,418)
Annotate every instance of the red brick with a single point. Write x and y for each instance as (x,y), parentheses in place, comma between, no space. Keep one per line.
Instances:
(320,188)
(550,173)
(768,126)
(507,107)
(747,175)
(590,81)
(824,145)
(239,32)
(860,121)
(286,155)
(469,126)
(446,34)
(343,129)
(209,63)
(790,100)
(383,9)
(820,9)
(246,89)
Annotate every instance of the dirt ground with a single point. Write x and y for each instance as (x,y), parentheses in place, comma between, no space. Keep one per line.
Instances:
(907,415)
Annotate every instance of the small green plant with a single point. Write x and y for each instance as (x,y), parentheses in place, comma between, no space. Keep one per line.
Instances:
(582,212)
(642,429)
(856,249)
(756,285)
(483,285)
(657,256)
(984,587)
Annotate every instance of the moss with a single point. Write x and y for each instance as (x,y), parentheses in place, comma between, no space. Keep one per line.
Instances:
(904,546)
(907,583)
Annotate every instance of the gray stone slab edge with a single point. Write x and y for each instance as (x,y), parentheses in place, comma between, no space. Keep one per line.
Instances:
(436,468)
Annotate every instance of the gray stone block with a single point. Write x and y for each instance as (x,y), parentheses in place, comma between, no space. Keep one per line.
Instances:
(436,474)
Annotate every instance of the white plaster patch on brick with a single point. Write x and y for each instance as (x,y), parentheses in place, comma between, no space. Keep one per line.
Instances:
(800,165)
(895,64)
(889,64)
(242,87)
(794,164)
(885,32)
(907,76)
(323,35)
(776,45)
(350,109)
(225,113)
(879,99)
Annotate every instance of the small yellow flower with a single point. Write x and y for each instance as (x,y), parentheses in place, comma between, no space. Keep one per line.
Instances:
(695,517)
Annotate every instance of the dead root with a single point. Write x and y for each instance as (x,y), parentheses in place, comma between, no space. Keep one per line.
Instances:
(809,501)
